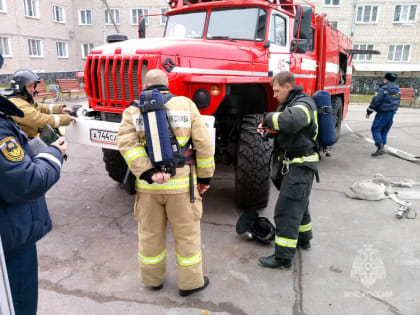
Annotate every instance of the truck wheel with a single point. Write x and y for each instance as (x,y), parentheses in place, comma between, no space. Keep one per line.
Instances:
(337,105)
(114,164)
(252,166)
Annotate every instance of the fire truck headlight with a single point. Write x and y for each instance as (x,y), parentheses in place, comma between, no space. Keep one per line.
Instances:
(215,90)
(201,98)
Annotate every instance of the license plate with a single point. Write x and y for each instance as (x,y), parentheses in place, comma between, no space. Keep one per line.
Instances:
(103,136)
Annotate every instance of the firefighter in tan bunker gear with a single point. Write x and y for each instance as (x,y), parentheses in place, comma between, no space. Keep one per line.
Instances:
(36,115)
(161,197)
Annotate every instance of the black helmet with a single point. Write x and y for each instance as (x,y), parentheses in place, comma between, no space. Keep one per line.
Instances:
(21,78)
(391,76)
(255,227)
(263,230)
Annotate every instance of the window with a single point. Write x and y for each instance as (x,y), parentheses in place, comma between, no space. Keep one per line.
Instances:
(85,17)
(186,25)
(334,23)
(5,46)
(163,18)
(399,52)
(31,8)
(86,48)
(115,14)
(3,6)
(311,44)
(331,3)
(136,13)
(35,47)
(367,14)
(238,23)
(59,15)
(405,13)
(62,51)
(278,30)
(362,57)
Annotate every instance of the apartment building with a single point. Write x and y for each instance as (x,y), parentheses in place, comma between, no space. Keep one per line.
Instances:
(390,26)
(56,36)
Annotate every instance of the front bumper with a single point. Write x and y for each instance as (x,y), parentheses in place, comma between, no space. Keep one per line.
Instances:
(90,130)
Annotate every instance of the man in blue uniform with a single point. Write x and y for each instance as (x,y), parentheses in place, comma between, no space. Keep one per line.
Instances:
(385,103)
(24,217)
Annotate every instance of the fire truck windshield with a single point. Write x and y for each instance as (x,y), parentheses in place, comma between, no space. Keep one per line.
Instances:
(188,25)
(240,23)
(229,24)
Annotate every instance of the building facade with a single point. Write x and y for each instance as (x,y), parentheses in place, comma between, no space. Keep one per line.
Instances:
(389,26)
(56,36)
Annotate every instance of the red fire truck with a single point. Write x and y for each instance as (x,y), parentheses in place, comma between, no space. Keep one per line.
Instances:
(222,54)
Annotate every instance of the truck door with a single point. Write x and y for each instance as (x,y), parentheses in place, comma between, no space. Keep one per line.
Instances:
(279,50)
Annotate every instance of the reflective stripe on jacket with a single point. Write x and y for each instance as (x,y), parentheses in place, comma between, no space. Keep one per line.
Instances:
(39,115)
(187,124)
(297,124)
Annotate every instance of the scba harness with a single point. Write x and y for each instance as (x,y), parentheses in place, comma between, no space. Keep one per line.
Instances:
(162,146)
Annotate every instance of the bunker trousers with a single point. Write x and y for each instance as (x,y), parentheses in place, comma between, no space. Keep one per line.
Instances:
(291,214)
(152,211)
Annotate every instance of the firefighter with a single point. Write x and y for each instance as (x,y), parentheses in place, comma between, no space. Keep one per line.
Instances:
(161,197)
(385,103)
(24,217)
(295,156)
(23,86)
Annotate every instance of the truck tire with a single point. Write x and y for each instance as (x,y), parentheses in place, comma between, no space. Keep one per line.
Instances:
(114,164)
(337,105)
(252,184)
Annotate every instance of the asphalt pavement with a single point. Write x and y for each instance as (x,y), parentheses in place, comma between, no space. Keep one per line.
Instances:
(363,260)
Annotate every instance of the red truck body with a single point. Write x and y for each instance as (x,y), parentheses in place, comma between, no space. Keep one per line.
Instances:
(223,55)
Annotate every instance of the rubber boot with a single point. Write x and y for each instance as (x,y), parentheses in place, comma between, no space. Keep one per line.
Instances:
(380,150)
(273,262)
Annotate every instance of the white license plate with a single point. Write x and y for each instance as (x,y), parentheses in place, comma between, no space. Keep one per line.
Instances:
(103,136)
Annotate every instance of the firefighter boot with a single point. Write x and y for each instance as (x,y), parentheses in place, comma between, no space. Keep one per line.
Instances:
(273,262)
(189,292)
(380,150)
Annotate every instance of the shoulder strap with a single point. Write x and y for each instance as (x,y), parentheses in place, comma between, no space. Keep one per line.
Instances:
(166,97)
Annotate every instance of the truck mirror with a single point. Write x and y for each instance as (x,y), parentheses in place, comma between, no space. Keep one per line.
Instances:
(300,46)
(142,28)
(267,44)
(114,38)
(303,19)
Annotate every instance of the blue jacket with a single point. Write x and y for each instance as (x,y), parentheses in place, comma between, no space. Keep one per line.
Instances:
(24,180)
(387,98)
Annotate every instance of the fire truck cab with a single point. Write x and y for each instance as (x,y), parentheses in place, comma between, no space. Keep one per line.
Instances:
(223,55)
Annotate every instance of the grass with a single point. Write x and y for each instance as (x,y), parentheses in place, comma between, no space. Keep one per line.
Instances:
(363,98)
(360,98)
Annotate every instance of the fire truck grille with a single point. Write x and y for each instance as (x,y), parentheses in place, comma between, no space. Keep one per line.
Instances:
(114,81)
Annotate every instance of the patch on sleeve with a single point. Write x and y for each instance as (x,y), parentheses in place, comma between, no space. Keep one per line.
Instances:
(138,122)
(11,149)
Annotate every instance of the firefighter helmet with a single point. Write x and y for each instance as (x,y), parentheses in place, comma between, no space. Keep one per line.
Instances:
(255,227)
(263,230)
(21,78)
